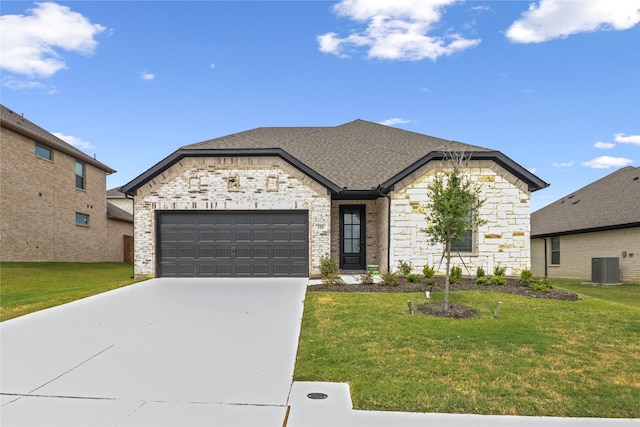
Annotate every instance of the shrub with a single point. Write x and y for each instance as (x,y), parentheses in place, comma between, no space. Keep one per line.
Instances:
(328,267)
(389,279)
(499,271)
(498,281)
(456,275)
(404,268)
(482,281)
(480,272)
(333,279)
(541,285)
(413,278)
(526,277)
(429,281)
(428,271)
(367,278)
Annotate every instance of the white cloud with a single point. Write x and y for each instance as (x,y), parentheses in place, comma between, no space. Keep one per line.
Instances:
(75,141)
(147,77)
(212,66)
(606,162)
(627,139)
(604,145)
(551,19)
(396,30)
(15,84)
(31,43)
(563,164)
(395,121)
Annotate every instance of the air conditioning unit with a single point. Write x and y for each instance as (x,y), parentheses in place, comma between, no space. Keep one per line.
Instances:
(604,270)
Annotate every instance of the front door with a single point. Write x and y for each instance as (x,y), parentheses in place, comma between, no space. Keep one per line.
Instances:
(352,237)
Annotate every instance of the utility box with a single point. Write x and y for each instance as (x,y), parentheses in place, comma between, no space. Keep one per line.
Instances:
(604,270)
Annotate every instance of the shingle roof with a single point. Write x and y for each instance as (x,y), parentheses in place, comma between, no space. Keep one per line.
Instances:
(611,202)
(114,212)
(356,156)
(115,193)
(18,123)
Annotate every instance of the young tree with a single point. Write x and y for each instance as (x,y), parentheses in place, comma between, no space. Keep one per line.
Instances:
(452,210)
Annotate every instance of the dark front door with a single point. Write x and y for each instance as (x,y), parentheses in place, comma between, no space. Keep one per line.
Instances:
(352,237)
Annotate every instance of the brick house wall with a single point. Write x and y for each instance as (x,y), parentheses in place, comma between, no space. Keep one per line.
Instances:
(39,201)
(203,183)
(503,241)
(115,246)
(372,217)
(577,250)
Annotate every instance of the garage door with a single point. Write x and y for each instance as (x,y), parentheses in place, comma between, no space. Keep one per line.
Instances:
(243,244)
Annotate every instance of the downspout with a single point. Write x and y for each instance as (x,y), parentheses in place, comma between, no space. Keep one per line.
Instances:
(128,196)
(381,194)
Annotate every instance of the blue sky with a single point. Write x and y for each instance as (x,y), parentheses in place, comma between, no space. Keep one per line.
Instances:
(555,85)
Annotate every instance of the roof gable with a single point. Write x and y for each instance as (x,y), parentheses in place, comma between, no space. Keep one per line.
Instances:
(358,156)
(19,124)
(611,202)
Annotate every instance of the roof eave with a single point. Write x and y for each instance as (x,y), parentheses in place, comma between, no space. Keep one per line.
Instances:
(132,186)
(586,230)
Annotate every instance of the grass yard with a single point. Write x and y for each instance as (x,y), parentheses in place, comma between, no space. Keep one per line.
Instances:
(539,357)
(28,287)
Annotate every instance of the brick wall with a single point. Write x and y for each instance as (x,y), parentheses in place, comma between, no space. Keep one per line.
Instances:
(373,243)
(503,241)
(577,250)
(231,183)
(115,245)
(38,202)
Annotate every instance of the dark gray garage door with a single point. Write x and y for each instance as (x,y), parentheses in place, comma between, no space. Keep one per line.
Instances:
(214,244)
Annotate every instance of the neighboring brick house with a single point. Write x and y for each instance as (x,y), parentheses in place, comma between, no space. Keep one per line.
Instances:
(53,204)
(119,199)
(274,201)
(601,220)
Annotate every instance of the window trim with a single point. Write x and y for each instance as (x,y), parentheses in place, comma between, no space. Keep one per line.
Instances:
(555,252)
(83,177)
(50,151)
(84,223)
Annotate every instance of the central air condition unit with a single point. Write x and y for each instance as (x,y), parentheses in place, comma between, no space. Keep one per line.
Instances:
(604,270)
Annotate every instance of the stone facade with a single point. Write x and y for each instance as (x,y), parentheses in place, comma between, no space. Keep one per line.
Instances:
(577,250)
(503,241)
(39,201)
(230,183)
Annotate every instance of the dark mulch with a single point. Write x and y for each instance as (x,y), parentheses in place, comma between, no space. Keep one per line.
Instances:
(455,311)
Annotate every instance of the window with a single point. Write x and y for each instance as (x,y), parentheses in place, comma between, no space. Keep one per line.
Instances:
(80,169)
(82,219)
(465,243)
(45,153)
(555,250)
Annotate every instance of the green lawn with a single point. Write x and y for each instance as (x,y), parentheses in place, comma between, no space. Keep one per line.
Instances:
(29,287)
(539,357)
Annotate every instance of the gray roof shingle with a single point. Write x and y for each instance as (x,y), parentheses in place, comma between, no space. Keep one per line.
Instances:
(611,202)
(114,212)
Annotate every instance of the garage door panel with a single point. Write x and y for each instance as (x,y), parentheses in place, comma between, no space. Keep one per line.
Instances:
(210,244)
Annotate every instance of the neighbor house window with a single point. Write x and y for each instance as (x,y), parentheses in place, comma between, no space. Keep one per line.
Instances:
(82,219)
(555,250)
(45,153)
(465,243)
(80,171)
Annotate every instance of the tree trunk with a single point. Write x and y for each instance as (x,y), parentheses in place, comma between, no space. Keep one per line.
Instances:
(446,277)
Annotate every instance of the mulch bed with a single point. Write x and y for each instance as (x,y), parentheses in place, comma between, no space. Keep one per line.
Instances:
(455,311)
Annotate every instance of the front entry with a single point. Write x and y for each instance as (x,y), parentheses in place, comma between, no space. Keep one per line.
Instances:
(352,237)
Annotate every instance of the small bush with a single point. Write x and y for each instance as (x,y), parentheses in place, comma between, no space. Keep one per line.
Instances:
(482,281)
(333,279)
(389,279)
(499,271)
(526,277)
(413,278)
(428,271)
(541,285)
(480,273)
(328,267)
(429,281)
(367,278)
(456,275)
(498,281)
(404,268)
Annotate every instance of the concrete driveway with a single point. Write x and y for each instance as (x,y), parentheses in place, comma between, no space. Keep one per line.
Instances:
(162,352)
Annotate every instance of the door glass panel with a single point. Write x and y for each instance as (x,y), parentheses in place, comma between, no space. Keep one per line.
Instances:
(351,232)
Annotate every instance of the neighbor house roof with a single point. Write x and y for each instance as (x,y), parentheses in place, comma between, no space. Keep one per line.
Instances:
(17,123)
(114,212)
(358,156)
(609,203)
(115,193)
